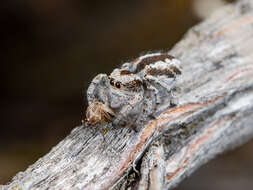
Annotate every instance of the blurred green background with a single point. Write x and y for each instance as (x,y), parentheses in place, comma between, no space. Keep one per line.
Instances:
(50,51)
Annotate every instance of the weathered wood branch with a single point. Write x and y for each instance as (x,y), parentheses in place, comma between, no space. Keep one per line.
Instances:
(214,114)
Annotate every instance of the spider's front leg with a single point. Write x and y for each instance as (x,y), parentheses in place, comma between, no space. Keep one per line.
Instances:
(96,89)
(129,113)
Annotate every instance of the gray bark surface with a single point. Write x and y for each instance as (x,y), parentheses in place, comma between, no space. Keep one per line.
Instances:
(214,114)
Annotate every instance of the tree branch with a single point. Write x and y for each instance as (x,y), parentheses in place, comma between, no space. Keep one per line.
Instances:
(214,114)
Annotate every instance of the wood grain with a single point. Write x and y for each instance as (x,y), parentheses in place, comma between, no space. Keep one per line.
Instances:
(214,114)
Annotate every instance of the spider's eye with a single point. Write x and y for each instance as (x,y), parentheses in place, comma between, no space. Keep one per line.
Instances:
(112,82)
(117,84)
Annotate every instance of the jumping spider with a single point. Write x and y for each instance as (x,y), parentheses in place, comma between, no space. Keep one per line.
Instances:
(134,91)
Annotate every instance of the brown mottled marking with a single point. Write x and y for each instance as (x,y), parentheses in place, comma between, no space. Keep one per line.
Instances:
(171,72)
(157,72)
(149,60)
(125,72)
(132,84)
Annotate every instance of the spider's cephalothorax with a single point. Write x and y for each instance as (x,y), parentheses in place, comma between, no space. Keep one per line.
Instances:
(133,92)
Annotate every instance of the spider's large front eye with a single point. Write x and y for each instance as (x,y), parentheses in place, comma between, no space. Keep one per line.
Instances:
(112,82)
(118,85)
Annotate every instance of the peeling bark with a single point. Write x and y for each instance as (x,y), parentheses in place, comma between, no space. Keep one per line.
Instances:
(214,114)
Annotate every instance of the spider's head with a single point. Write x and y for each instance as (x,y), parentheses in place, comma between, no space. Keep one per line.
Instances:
(107,95)
(123,87)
